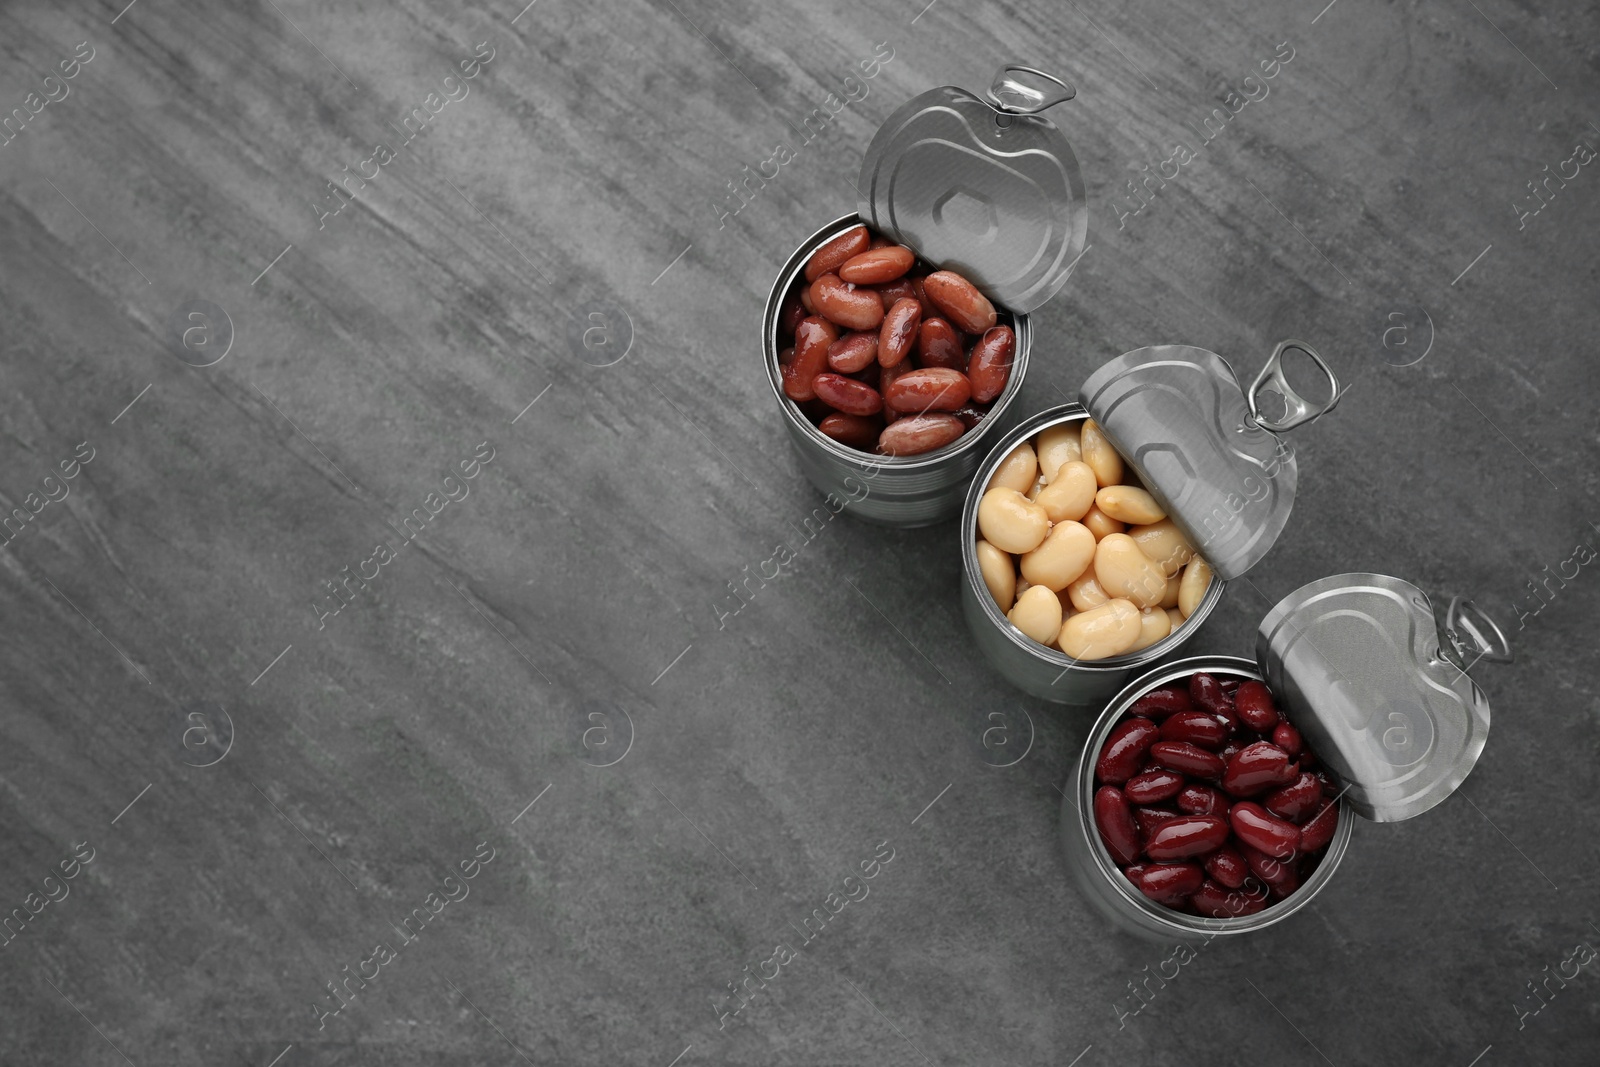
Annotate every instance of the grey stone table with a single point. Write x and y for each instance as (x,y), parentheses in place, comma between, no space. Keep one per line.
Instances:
(528,758)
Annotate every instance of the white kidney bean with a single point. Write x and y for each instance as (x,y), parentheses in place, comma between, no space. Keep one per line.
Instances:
(1108,630)
(1127,504)
(1123,570)
(1056,446)
(1100,524)
(1154,624)
(1085,593)
(1010,521)
(1061,558)
(1017,471)
(1070,493)
(1098,454)
(999,574)
(1164,542)
(1196,579)
(1037,613)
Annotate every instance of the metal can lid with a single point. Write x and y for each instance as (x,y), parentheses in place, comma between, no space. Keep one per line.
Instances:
(1376,683)
(989,189)
(1199,443)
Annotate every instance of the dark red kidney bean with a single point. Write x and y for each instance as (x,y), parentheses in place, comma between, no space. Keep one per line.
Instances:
(790,314)
(853,351)
(1227,867)
(1255,706)
(1260,829)
(1215,902)
(1231,749)
(1202,800)
(847,394)
(969,414)
(1281,875)
(877,265)
(1114,819)
(853,431)
(1150,819)
(1318,830)
(835,253)
(1133,870)
(1187,758)
(1185,836)
(1258,766)
(899,331)
(1153,786)
(1308,758)
(959,300)
(1231,685)
(1125,750)
(939,345)
(811,340)
(1297,800)
(1196,727)
(930,389)
(989,365)
(1207,693)
(1287,738)
(847,305)
(899,289)
(1159,703)
(913,435)
(1329,787)
(1170,883)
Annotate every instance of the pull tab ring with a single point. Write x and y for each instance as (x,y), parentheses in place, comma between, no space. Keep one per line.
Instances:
(1298,410)
(1017,97)
(1467,634)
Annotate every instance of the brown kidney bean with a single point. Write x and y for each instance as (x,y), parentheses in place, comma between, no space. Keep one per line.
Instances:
(853,431)
(1318,830)
(959,301)
(1159,703)
(898,333)
(932,389)
(899,289)
(871,374)
(1295,801)
(1170,883)
(1196,727)
(1153,786)
(790,314)
(1254,702)
(853,351)
(1187,835)
(811,340)
(914,434)
(1125,750)
(1257,767)
(846,305)
(1260,829)
(786,356)
(1187,758)
(805,300)
(1114,819)
(847,394)
(878,265)
(939,345)
(989,366)
(1227,867)
(1287,738)
(835,253)
(1150,819)
(1202,800)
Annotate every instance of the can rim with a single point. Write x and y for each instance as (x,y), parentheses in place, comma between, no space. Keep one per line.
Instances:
(871,461)
(1080,810)
(1055,416)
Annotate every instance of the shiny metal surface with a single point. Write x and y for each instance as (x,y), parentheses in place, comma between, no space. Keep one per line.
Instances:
(1044,672)
(1117,899)
(995,195)
(1355,659)
(900,491)
(1178,415)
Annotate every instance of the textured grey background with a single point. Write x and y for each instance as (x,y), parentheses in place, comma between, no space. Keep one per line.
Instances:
(580,576)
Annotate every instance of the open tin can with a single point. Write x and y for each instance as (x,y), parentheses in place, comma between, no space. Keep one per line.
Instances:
(1201,446)
(986,188)
(1373,676)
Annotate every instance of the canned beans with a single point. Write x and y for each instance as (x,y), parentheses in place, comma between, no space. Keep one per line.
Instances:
(1049,523)
(927,344)
(1208,791)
